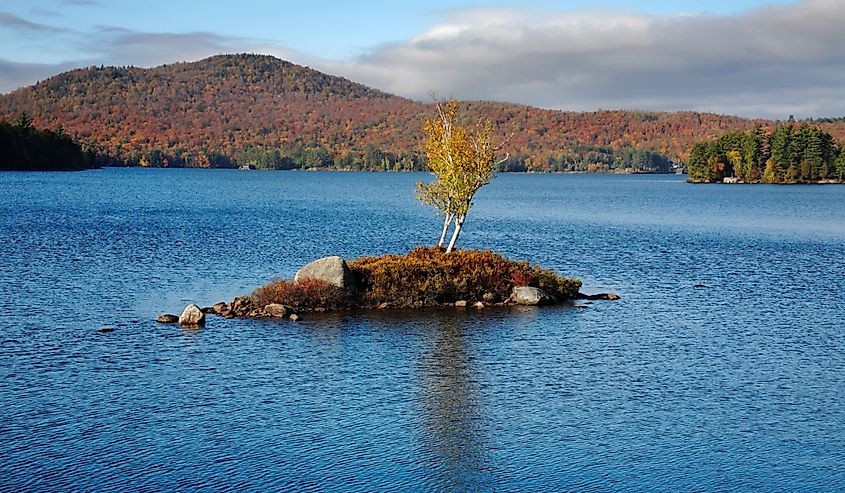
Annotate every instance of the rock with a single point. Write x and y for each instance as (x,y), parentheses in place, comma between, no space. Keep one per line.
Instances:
(699,286)
(600,296)
(220,307)
(276,310)
(294,317)
(166,318)
(105,329)
(241,306)
(461,303)
(192,316)
(207,309)
(478,304)
(383,306)
(488,297)
(530,296)
(332,270)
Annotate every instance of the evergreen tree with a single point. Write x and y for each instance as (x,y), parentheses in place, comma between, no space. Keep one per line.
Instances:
(840,164)
(788,153)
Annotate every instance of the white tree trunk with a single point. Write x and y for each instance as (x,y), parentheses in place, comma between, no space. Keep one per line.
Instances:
(446,223)
(459,222)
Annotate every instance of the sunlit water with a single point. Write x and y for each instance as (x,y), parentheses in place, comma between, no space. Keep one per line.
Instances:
(737,386)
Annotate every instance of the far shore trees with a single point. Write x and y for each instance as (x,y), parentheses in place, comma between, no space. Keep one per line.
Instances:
(790,153)
(462,160)
(26,148)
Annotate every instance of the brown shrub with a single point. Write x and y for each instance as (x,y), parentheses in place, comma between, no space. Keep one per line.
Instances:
(306,295)
(431,276)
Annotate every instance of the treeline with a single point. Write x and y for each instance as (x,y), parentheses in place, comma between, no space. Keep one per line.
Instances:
(291,156)
(25,148)
(579,159)
(788,154)
(591,159)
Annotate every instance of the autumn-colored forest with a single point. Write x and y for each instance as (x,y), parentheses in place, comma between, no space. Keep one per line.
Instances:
(229,110)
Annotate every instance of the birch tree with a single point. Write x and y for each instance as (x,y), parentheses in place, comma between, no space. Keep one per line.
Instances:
(462,161)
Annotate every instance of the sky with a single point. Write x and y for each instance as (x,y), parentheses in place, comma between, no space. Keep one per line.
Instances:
(754,58)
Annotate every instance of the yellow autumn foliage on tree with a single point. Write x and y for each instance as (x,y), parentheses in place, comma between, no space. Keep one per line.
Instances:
(462,159)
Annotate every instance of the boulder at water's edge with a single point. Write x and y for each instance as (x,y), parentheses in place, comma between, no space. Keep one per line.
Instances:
(167,318)
(531,296)
(192,316)
(277,310)
(332,270)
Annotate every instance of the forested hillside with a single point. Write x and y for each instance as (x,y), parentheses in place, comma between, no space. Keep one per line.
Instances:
(254,109)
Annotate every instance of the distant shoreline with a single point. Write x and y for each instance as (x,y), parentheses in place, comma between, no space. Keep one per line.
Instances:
(726,181)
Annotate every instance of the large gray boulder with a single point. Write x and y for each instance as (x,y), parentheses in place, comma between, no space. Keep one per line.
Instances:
(332,270)
(192,316)
(527,295)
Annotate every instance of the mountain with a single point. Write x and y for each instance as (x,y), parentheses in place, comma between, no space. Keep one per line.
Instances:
(257,109)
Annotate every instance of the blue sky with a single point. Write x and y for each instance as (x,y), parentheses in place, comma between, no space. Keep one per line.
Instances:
(329,29)
(738,57)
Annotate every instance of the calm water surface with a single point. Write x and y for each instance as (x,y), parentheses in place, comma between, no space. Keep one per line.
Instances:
(737,386)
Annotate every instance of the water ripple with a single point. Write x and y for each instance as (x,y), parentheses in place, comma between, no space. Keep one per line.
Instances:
(736,386)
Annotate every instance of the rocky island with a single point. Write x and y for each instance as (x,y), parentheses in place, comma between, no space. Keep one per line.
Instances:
(426,277)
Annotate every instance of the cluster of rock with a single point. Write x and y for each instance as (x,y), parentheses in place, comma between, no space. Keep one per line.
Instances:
(192,316)
(245,307)
(240,307)
(334,270)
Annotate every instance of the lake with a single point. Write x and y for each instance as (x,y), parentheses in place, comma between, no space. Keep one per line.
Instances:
(735,386)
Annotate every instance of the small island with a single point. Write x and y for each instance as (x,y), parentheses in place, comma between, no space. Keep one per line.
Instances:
(426,277)
(790,153)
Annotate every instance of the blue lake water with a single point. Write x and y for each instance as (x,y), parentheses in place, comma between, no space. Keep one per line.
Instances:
(737,386)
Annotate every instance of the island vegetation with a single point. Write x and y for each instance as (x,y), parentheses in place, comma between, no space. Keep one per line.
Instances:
(233,110)
(790,153)
(26,148)
(425,277)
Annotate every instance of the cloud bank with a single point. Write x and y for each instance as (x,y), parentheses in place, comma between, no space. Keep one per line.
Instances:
(769,62)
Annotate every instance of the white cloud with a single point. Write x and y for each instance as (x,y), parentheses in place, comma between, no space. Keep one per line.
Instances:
(772,61)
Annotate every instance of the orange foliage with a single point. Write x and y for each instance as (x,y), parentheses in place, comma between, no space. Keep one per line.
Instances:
(205,113)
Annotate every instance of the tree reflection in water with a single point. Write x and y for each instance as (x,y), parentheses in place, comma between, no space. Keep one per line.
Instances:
(453,434)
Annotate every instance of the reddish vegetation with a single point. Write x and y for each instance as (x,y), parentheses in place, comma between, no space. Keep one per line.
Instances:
(306,295)
(424,277)
(209,113)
